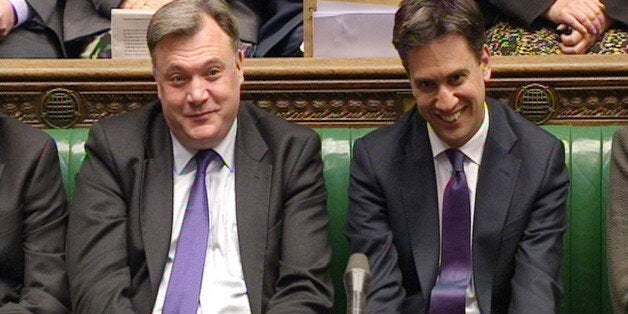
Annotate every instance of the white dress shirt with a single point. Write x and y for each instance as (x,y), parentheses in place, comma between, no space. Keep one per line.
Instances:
(473,150)
(22,11)
(223,289)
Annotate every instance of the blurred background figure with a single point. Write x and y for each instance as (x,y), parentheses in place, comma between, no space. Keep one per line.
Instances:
(271,28)
(537,27)
(618,222)
(31,29)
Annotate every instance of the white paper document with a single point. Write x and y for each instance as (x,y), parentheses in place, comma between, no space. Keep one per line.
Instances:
(352,30)
(128,33)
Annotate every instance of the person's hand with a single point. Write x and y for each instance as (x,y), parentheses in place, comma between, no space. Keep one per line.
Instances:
(584,16)
(7,18)
(142,4)
(576,42)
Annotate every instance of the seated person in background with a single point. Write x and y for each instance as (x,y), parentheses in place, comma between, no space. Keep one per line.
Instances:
(87,25)
(31,29)
(33,222)
(516,27)
(618,222)
(253,237)
(461,204)
(269,28)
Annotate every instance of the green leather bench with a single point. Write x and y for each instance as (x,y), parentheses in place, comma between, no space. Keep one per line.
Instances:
(587,157)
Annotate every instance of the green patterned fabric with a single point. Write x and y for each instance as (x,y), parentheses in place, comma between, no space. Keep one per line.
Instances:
(505,39)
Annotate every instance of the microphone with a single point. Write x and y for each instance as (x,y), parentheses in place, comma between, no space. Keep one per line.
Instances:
(357,278)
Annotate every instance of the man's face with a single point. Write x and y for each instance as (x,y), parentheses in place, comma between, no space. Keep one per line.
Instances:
(448,85)
(198,82)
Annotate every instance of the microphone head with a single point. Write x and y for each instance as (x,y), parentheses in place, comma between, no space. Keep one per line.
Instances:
(358,261)
(357,279)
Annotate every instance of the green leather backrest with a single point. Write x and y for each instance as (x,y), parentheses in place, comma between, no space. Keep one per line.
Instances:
(587,157)
(585,278)
(70,144)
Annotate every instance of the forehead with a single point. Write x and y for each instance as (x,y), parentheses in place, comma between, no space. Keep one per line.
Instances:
(447,54)
(209,42)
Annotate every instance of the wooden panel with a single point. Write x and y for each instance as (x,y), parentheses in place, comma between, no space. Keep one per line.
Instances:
(579,89)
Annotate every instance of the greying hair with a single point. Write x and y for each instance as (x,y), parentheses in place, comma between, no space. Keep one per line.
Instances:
(421,22)
(186,18)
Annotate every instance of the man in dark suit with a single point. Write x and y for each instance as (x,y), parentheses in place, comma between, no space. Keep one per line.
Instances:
(509,181)
(618,222)
(267,245)
(31,29)
(270,28)
(33,222)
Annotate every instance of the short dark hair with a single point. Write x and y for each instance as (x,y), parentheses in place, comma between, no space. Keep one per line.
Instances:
(186,17)
(421,22)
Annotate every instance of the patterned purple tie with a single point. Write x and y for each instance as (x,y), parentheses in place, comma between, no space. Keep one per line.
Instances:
(184,287)
(448,296)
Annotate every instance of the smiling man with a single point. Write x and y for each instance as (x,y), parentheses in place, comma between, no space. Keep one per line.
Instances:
(199,202)
(460,205)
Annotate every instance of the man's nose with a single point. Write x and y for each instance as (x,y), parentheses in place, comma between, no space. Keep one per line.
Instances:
(445,99)
(198,91)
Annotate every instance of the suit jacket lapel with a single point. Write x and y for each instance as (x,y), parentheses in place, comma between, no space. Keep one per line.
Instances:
(156,198)
(419,191)
(496,183)
(253,184)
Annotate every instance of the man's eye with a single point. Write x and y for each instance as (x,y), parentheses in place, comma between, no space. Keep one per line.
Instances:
(213,72)
(177,79)
(457,79)
(426,85)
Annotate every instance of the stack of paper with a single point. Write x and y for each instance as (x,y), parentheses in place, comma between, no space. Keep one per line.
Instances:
(352,30)
(128,33)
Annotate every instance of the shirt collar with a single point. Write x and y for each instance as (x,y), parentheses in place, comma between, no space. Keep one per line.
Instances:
(473,149)
(226,148)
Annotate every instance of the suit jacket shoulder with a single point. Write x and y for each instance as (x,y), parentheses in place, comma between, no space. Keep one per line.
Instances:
(508,126)
(17,135)
(270,125)
(33,222)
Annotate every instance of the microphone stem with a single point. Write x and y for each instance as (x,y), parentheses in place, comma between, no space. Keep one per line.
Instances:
(357,303)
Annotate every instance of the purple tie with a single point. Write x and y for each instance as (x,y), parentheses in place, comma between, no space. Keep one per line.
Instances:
(184,286)
(448,295)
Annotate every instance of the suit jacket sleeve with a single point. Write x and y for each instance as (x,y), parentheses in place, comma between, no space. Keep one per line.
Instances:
(525,12)
(618,222)
(43,203)
(303,284)
(618,10)
(281,33)
(104,6)
(535,283)
(97,240)
(369,232)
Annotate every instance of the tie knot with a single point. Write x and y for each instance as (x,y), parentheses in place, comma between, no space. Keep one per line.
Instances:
(203,158)
(456,158)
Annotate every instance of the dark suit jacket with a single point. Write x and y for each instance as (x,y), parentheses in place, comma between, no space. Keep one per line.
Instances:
(618,222)
(520,216)
(120,220)
(32,222)
(41,36)
(87,17)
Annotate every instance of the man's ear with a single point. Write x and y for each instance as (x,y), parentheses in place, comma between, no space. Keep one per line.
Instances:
(240,65)
(156,78)
(485,64)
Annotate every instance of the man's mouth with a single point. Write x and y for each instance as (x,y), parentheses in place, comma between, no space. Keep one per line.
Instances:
(452,117)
